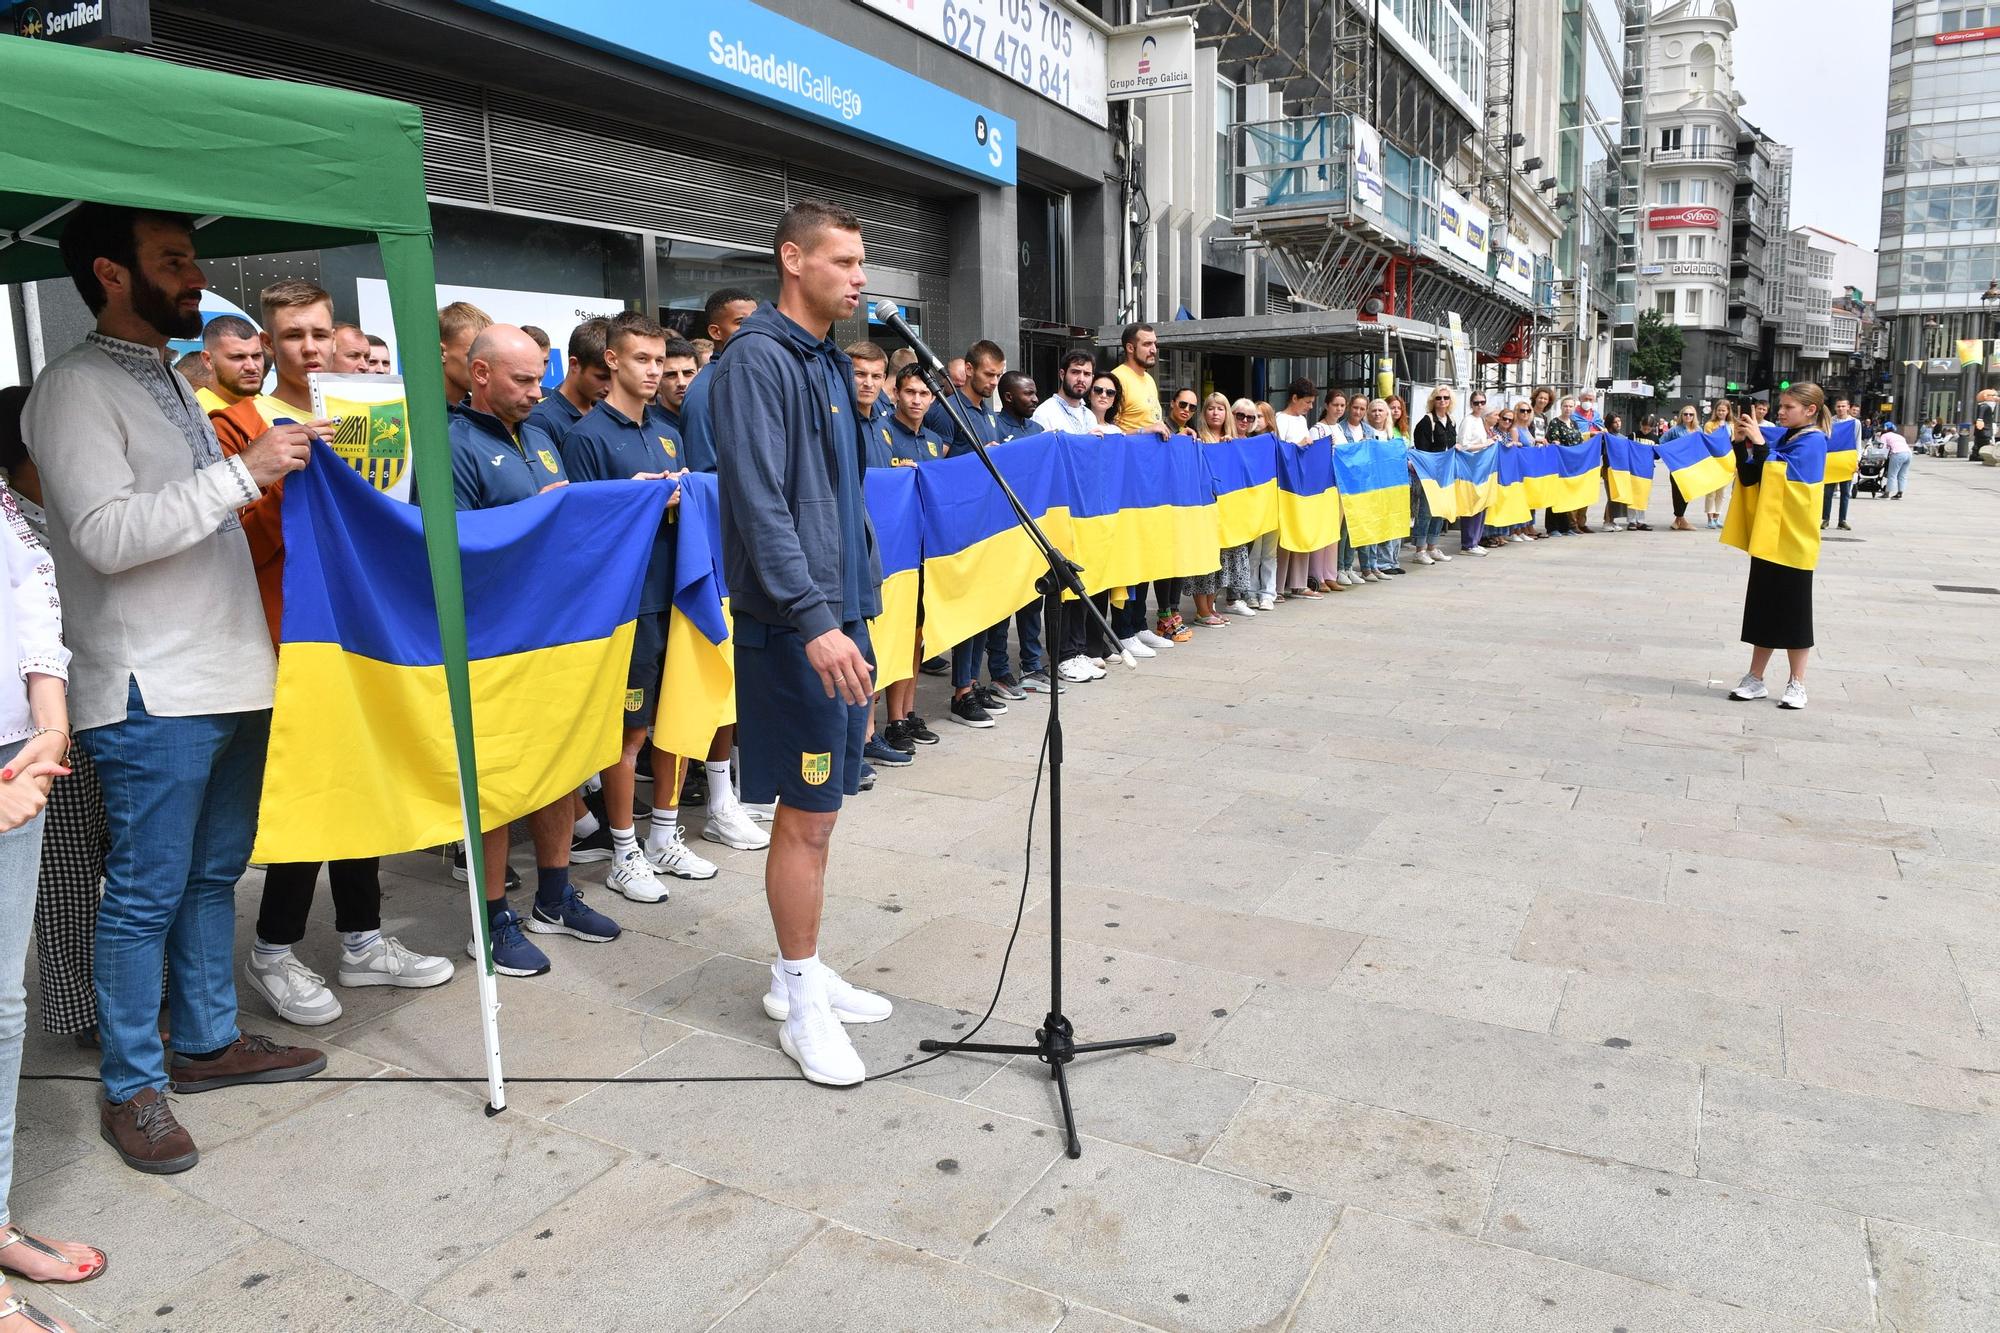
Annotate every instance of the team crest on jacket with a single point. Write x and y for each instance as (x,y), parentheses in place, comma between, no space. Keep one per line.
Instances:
(548,460)
(815,768)
(667,443)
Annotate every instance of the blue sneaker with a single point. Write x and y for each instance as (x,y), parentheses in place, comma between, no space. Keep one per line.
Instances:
(513,955)
(867,782)
(572,916)
(879,751)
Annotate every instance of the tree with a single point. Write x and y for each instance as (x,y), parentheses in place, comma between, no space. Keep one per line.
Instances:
(1656,354)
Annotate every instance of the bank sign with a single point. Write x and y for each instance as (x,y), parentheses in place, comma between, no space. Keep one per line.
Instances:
(755,54)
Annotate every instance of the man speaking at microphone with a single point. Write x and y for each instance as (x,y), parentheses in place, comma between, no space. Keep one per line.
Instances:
(804,578)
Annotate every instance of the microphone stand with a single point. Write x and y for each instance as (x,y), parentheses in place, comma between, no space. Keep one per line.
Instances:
(1055,1040)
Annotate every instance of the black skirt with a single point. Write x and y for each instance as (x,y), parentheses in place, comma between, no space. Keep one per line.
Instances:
(1777,606)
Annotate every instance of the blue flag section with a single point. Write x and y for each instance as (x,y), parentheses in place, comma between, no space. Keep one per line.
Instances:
(1628,475)
(1436,473)
(1308,504)
(1245,476)
(1374,481)
(698,687)
(1700,461)
(1843,451)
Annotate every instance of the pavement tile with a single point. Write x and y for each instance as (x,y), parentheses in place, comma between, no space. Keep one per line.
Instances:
(886,1159)
(1629,1014)
(1084,1319)
(1385,1275)
(1845,972)
(1462,985)
(1777,1255)
(878,1285)
(1935,1282)
(432,1200)
(1519,855)
(701,1248)
(1318,826)
(1249,945)
(1908,907)
(1792,796)
(1150,1227)
(1879,1158)
(851,928)
(1386,1161)
(1949,1070)
(271,1285)
(621,971)
(1169,1107)
(1844,857)
(1980,972)
(1497,1080)
(1405,901)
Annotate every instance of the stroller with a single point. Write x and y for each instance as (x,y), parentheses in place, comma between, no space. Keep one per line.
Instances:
(1871,470)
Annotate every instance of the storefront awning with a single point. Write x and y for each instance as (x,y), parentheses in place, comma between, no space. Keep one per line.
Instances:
(1299,333)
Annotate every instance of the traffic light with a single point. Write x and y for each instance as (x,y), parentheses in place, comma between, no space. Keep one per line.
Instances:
(1784,384)
(1734,386)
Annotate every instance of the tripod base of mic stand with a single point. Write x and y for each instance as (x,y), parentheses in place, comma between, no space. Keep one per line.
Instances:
(1055,1046)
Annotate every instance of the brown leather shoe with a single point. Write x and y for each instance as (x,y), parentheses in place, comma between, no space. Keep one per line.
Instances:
(146,1135)
(249,1059)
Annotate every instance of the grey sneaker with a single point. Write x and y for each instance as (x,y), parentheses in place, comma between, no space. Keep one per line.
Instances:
(1750,687)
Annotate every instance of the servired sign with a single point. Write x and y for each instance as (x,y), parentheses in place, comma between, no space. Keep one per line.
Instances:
(1689,215)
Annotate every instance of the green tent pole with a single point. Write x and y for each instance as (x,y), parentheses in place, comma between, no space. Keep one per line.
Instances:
(412,282)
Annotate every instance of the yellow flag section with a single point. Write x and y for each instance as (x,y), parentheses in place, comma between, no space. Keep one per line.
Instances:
(1774,514)
(1308,502)
(891,495)
(361,760)
(698,682)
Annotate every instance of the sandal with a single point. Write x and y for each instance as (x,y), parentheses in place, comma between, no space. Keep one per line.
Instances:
(16,1306)
(15,1236)
(1211,620)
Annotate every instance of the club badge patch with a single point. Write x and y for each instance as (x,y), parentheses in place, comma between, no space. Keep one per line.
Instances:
(815,768)
(634,700)
(548,460)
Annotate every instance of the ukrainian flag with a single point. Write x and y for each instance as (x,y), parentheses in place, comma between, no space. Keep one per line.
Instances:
(1778,518)
(979,567)
(362,760)
(698,684)
(1843,451)
(1308,502)
(1700,461)
(1510,488)
(1374,480)
(891,496)
(1475,478)
(1537,464)
(1436,473)
(1630,476)
(1576,482)
(1140,508)
(1244,474)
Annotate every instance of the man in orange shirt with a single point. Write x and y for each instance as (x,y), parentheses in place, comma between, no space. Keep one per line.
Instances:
(299,339)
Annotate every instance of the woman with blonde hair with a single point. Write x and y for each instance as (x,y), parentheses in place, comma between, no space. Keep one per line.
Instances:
(1211,426)
(1783,546)
(1253,418)
(1435,434)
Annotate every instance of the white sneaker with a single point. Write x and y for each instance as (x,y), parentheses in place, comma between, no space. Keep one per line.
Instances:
(676,859)
(390,964)
(632,875)
(729,824)
(850,1004)
(1474,550)
(1424,558)
(763,812)
(1267,602)
(1353,577)
(294,991)
(1440,556)
(1137,647)
(1751,687)
(1154,641)
(1239,607)
(815,1039)
(1076,670)
(1795,695)
(1521,537)
(1097,671)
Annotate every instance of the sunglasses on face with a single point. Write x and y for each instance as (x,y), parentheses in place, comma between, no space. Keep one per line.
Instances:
(1246,416)
(1103,393)
(1479,402)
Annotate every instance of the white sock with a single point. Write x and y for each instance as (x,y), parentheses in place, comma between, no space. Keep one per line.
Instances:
(270,953)
(719,787)
(587,825)
(358,942)
(666,828)
(623,840)
(794,973)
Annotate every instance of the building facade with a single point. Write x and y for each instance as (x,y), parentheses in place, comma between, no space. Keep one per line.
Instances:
(1940,257)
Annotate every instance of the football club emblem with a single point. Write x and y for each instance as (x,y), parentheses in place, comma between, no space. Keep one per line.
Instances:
(815,768)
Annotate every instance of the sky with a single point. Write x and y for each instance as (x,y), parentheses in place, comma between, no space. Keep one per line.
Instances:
(1815,74)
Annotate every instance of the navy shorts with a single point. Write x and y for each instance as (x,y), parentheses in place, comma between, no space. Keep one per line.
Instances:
(642,678)
(797,745)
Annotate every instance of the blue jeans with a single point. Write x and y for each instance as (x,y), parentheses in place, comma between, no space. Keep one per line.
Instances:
(1424,526)
(180,797)
(1846,490)
(20,868)
(1028,626)
(965,661)
(1899,467)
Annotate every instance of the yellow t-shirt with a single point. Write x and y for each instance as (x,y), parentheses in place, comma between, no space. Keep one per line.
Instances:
(1139,397)
(211,401)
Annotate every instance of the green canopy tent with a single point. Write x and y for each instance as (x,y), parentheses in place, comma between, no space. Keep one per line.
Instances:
(262,166)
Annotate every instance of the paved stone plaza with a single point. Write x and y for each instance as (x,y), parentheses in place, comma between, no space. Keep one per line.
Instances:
(1522,982)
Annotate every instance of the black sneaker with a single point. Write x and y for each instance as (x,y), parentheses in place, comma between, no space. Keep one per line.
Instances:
(1007,688)
(989,699)
(966,711)
(596,846)
(593,801)
(935,666)
(694,787)
(915,729)
(897,737)
(459,873)
(642,767)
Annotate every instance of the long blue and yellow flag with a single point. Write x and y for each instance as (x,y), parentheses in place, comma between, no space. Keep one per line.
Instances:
(1475,478)
(1374,480)
(979,567)
(698,684)
(1308,503)
(1245,477)
(1628,470)
(1140,507)
(1576,481)
(1510,486)
(1537,465)
(1843,450)
(1437,474)
(1700,461)
(1778,518)
(361,760)
(891,495)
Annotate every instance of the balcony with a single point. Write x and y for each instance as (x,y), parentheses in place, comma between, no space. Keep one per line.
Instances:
(1718,154)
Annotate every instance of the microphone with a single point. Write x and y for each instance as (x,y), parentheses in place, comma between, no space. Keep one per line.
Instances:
(888,312)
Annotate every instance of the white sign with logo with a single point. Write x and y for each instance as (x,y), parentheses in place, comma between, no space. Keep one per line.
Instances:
(1461,228)
(1514,266)
(1149,59)
(1365,166)
(1050,47)
(551,312)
